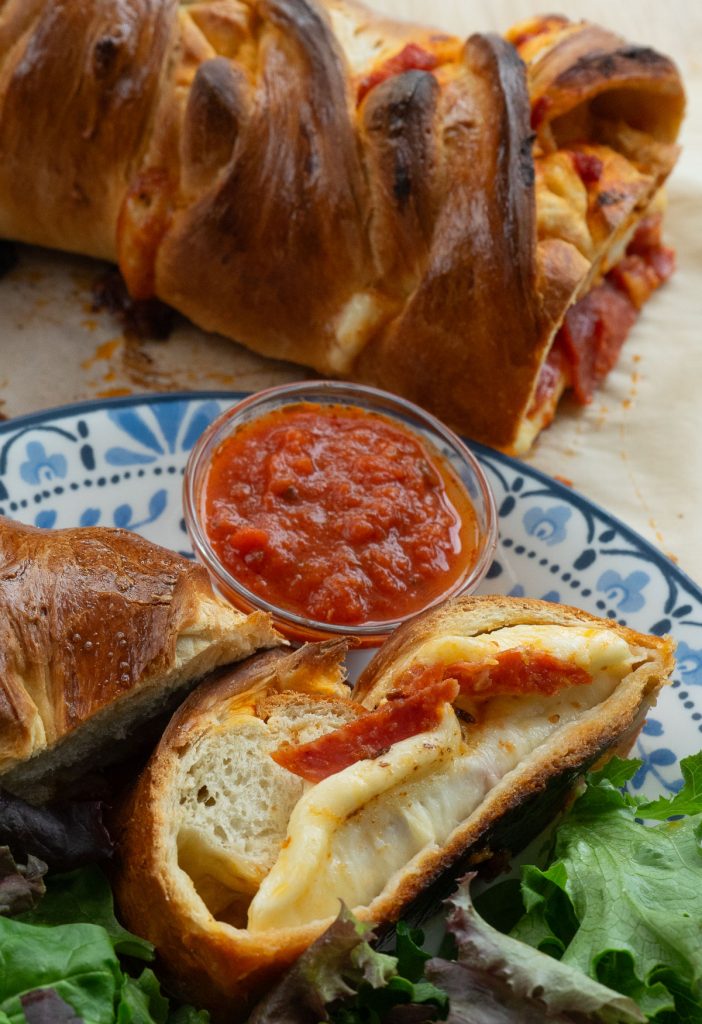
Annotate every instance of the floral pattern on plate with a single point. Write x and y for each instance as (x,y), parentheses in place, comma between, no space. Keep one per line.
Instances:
(120,463)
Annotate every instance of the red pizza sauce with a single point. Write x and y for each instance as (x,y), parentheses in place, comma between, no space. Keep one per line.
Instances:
(338,515)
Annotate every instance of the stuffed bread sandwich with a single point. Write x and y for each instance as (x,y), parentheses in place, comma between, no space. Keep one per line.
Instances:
(272,796)
(377,200)
(100,632)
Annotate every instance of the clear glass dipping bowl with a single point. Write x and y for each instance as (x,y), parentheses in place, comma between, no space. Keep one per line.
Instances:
(430,430)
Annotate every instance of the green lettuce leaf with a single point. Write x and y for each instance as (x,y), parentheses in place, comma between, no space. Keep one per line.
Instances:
(76,960)
(618,771)
(499,979)
(622,900)
(60,962)
(85,895)
(687,801)
(141,1001)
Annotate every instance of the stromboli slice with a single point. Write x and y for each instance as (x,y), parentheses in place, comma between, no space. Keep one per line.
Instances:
(374,830)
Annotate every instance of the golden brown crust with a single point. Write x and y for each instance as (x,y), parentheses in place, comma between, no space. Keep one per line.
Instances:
(235,159)
(312,668)
(490,248)
(591,74)
(90,616)
(77,86)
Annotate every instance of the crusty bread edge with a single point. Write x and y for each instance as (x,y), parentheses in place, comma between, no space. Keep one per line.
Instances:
(114,729)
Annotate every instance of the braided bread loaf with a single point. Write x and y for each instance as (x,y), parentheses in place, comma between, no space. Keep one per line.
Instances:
(376,200)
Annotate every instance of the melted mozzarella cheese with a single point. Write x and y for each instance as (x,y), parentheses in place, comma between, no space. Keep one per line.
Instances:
(309,877)
(358,320)
(350,835)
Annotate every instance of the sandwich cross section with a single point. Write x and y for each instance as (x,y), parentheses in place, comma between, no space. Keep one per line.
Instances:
(243,857)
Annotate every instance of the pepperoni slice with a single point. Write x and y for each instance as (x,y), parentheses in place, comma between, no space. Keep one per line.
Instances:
(514,671)
(588,344)
(414,706)
(517,672)
(552,372)
(636,278)
(648,235)
(370,735)
(594,331)
(662,259)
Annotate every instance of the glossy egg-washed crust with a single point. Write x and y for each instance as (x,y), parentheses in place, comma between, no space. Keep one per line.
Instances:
(227,969)
(416,238)
(88,618)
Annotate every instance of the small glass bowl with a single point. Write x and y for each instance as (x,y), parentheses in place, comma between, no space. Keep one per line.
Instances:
(430,430)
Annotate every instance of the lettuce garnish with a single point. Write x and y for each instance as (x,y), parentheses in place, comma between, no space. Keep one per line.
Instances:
(60,962)
(607,931)
(621,897)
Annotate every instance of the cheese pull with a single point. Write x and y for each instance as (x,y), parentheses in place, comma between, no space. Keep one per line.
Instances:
(276,793)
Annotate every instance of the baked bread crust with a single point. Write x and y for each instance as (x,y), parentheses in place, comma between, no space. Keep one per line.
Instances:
(234,158)
(95,623)
(226,966)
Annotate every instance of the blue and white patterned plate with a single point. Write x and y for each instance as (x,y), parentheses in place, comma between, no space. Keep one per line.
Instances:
(120,463)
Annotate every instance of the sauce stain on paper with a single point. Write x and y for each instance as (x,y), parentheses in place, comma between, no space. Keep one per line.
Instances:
(128,366)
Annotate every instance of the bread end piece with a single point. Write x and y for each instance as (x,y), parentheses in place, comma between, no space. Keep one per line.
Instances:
(202,933)
(100,630)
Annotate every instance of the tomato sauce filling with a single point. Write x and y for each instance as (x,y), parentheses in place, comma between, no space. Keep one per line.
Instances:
(536,27)
(588,344)
(415,706)
(410,58)
(588,166)
(338,515)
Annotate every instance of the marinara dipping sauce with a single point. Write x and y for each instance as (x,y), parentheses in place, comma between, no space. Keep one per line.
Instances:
(339,516)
